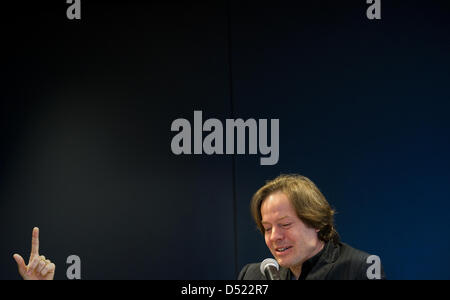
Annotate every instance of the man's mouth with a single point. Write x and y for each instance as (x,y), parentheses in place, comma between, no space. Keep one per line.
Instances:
(282,249)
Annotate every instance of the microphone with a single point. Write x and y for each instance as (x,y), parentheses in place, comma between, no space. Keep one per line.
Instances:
(269,268)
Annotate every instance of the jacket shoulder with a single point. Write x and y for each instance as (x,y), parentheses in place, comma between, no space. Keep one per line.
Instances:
(351,263)
(348,253)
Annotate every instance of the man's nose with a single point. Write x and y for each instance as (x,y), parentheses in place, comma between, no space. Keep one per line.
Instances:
(276,234)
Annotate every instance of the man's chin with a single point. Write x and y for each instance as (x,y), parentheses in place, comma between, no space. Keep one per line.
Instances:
(284,262)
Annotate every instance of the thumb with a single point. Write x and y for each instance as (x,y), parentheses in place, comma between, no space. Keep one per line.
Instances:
(20,264)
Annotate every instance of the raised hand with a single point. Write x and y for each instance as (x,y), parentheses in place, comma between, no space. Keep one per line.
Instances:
(38,268)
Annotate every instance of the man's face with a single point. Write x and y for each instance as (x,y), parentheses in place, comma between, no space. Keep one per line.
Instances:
(287,237)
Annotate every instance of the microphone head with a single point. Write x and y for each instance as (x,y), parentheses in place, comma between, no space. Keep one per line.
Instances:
(268,262)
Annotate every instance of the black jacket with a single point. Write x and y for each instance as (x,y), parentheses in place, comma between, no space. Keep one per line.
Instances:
(337,261)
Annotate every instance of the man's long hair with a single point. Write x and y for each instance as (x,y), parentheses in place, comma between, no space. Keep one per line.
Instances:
(309,203)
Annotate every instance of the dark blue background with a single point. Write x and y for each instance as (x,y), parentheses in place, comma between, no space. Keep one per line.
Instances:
(87,107)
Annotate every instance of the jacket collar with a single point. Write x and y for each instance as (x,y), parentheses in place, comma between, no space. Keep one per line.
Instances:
(326,261)
(329,255)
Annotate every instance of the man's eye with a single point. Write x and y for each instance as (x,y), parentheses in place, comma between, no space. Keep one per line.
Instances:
(267,229)
(287,225)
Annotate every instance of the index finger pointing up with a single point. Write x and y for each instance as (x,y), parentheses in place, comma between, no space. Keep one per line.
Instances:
(35,242)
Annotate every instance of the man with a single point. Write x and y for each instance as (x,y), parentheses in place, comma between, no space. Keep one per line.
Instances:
(38,268)
(298,227)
